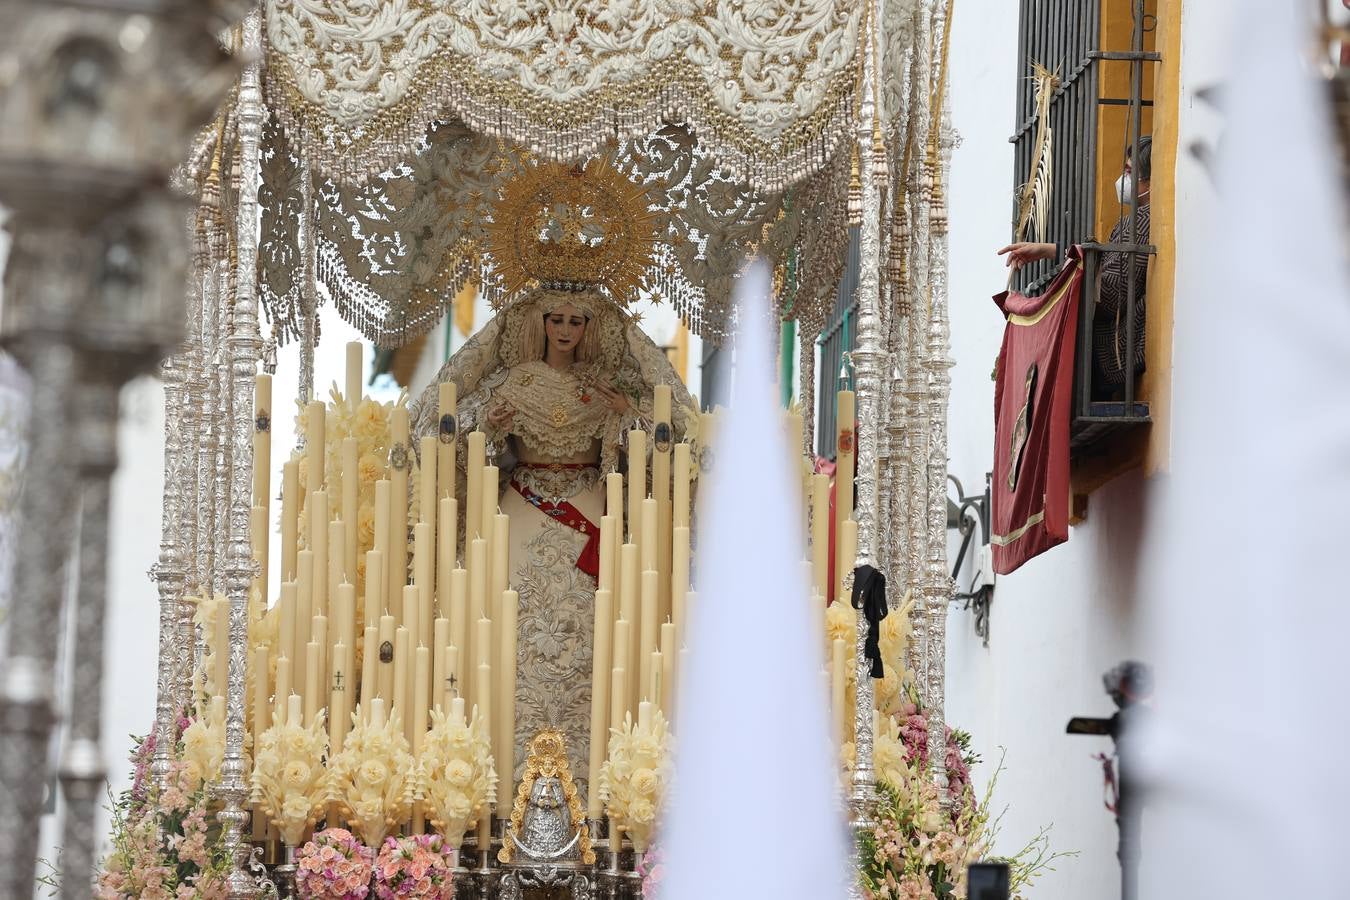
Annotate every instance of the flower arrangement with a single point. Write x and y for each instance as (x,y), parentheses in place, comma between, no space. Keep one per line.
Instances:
(374,778)
(456,773)
(204,744)
(334,866)
(161,846)
(634,777)
(414,866)
(289,780)
(652,870)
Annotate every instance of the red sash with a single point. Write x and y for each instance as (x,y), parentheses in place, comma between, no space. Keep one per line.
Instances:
(569,515)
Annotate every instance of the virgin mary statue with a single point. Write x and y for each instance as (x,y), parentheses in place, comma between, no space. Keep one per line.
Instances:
(556,380)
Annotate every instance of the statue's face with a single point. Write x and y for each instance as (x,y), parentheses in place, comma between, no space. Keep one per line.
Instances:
(564,327)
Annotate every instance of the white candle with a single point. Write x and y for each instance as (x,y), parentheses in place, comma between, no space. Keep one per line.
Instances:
(377,713)
(847,555)
(304,613)
(315,450)
(344,615)
(397,560)
(649,630)
(290,518)
(259,539)
(355,354)
(618,696)
(382,531)
(337,547)
(374,587)
(351,507)
(426,507)
(318,545)
(501,545)
(601,664)
(484,698)
(608,548)
(281,696)
(667,697)
(445,452)
(319,636)
(637,483)
(820,534)
(385,656)
(337,707)
(656,665)
(488,511)
(446,538)
(473,499)
(506,705)
(440,644)
(294,710)
(262,440)
(679,570)
(313,683)
(423,561)
(370,657)
(651,541)
(644,714)
(459,622)
(624,652)
(614,500)
(421,684)
(683,472)
(403,679)
(661,453)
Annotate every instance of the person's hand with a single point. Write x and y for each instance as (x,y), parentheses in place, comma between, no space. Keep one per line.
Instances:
(615,400)
(499,417)
(1025,252)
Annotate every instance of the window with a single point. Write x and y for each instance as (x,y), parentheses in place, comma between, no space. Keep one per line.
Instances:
(1101,106)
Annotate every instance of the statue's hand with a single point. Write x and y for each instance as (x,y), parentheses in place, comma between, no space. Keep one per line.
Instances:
(500,416)
(616,401)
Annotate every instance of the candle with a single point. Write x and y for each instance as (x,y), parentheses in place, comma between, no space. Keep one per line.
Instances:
(650,544)
(315,451)
(644,714)
(656,665)
(667,696)
(351,507)
(459,621)
(506,706)
(618,697)
(313,686)
(421,684)
(319,637)
(478,578)
(683,472)
(382,507)
(483,679)
(453,682)
(488,511)
(258,533)
(337,708)
(337,548)
(614,500)
(352,393)
(411,617)
(628,582)
(440,643)
(400,453)
(385,655)
(637,483)
(447,536)
(423,561)
(607,551)
(847,555)
(601,664)
(262,439)
(662,443)
(283,689)
(377,713)
(374,587)
(318,545)
(473,499)
(294,710)
(501,545)
(482,640)
(290,518)
(426,508)
(445,446)
(837,688)
(820,534)
(649,630)
(261,707)
(304,614)
(403,679)
(623,656)
(679,570)
(370,656)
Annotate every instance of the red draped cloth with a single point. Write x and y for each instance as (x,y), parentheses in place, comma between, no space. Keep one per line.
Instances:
(1033,394)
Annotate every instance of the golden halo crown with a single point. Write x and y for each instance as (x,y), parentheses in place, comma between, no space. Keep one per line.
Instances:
(573,228)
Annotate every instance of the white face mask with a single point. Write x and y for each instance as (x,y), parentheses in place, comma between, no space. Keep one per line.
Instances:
(1125,188)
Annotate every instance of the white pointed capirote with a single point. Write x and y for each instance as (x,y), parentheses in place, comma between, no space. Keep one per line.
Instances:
(754,807)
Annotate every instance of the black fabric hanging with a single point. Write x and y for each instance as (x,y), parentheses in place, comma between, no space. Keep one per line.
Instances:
(869,595)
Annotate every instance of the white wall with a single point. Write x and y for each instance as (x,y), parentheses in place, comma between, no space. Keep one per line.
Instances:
(1068,616)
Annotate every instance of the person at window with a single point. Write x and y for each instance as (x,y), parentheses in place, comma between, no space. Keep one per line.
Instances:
(1109,328)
